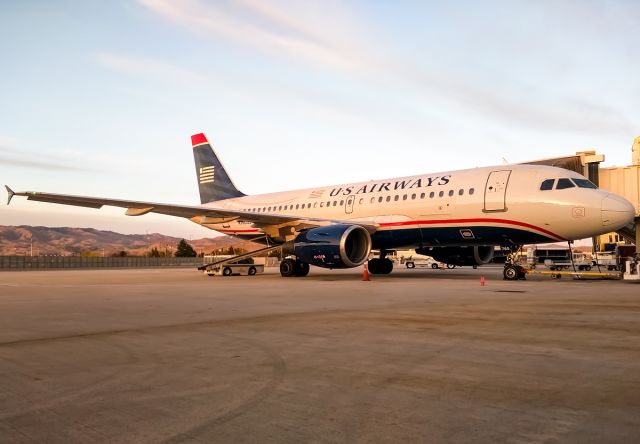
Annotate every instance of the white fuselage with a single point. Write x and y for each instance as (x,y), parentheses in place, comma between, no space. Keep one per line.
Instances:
(483,206)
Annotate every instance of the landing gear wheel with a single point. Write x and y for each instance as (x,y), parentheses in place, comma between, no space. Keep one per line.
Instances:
(411,265)
(226,271)
(301,269)
(287,268)
(251,271)
(375,266)
(511,272)
(387,266)
(434,266)
(450,266)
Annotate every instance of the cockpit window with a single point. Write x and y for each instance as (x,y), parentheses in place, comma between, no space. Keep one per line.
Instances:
(584,183)
(564,183)
(547,184)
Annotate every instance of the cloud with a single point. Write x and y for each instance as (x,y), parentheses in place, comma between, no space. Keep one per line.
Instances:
(329,38)
(26,159)
(268,27)
(144,66)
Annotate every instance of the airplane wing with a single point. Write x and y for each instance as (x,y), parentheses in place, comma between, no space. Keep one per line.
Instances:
(197,213)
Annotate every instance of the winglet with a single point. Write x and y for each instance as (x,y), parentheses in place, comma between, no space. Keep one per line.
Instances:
(198,139)
(10,194)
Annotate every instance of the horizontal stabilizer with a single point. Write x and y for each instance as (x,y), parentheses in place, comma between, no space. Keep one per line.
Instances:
(10,194)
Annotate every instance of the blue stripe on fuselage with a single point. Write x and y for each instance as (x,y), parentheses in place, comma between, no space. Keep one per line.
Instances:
(443,236)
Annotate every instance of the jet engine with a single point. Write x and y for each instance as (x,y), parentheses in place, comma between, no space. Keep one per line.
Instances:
(333,246)
(477,255)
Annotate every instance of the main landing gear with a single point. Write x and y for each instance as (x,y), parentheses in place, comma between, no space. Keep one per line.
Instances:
(291,267)
(380,265)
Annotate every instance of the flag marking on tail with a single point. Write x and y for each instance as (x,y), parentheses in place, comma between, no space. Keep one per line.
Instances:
(207,174)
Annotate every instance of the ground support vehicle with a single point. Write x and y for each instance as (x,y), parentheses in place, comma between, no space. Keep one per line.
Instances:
(632,269)
(422,263)
(234,269)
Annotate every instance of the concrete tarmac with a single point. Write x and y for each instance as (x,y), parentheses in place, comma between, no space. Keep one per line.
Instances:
(429,356)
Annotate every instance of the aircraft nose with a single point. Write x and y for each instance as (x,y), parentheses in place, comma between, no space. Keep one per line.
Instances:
(617,211)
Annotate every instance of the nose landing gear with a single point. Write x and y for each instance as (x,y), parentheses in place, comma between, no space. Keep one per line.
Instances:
(512,268)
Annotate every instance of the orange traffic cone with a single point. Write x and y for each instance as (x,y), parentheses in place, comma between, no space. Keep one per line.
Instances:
(482,281)
(365,273)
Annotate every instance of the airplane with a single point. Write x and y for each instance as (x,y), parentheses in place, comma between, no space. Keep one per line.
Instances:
(456,217)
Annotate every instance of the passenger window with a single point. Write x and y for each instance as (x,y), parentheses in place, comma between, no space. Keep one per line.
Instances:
(564,184)
(297,206)
(341,202)
(373,199)
(380,199)
(335,202)
(460,192)
(547,184)
(471,191)
(404,197)
(441,193)
(396,198)
(432,195)
(422,195)
(450,193)
(388,198)
(413,197)
(315,205)
(584,183)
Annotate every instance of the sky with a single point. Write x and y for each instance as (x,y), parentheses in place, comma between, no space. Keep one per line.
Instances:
(100,98)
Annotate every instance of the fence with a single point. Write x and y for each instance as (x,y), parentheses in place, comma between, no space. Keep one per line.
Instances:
(58,262)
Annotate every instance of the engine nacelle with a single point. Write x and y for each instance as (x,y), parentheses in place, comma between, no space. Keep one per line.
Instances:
(477,255)
(333,246)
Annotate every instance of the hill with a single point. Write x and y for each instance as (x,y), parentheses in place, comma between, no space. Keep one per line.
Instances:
(17,240)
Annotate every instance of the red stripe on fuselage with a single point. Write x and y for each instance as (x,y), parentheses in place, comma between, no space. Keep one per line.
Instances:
(439,222)
(465,221)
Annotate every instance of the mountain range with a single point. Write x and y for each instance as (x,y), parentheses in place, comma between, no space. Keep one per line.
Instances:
(19,240)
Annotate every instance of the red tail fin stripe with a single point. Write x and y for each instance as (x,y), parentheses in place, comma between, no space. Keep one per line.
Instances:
(198,139)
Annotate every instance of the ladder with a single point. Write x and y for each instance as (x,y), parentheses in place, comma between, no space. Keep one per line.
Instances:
(239,257)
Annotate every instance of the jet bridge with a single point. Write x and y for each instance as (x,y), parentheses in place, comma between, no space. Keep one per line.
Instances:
(624,181)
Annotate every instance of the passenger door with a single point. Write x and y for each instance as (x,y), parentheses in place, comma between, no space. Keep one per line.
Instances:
(348,204)
(495,191)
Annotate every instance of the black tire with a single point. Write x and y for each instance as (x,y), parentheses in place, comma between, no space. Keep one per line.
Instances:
(226,271)
(587,268)
(375,266)
(410,265)
(387,266)
(252,271)
(511,272)
(287,268)
(434,266)
(450,266)
(301,269)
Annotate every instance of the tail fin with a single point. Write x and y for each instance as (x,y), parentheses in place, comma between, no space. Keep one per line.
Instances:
(213,181)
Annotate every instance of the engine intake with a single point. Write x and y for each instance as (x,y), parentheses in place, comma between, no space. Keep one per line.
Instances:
(333,246)
(461,256)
